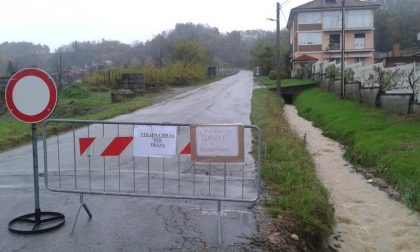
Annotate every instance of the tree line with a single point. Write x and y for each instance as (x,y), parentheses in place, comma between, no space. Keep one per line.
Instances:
(215,48)
(398,21)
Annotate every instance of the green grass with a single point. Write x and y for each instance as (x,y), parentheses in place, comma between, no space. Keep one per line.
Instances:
(74,102)
(289,172)
(78,102)
(285,82)
(389,143)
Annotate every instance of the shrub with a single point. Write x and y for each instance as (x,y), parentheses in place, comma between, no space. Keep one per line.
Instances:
(331,72)
(349,75)
(74,91)
(272,75)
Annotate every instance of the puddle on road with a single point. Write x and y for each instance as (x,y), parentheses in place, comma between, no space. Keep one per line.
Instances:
(367,219)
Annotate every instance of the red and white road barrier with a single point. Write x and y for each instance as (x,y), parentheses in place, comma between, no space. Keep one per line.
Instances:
(113,146)
(186,150)
(105,147)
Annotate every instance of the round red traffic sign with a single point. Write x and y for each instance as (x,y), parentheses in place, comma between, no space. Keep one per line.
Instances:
(31,95)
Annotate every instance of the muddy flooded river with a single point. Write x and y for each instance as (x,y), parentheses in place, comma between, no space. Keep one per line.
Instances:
(367,219)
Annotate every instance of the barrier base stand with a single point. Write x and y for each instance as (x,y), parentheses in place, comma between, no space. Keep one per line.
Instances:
(36,223)
(82,204)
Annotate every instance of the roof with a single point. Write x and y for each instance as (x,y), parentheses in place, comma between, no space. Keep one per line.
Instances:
(305,58)
(321,4)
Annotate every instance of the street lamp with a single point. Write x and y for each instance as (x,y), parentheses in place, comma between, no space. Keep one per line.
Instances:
(277,20)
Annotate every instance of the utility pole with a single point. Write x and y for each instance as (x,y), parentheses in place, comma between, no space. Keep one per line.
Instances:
(343,48)
(160,51)
(278,87)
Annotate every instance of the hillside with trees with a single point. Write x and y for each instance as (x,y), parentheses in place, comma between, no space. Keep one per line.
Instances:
(398,21)
(263,53)
(228,49)
(17,55)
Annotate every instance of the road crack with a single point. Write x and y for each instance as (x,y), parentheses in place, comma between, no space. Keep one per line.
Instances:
(178,223)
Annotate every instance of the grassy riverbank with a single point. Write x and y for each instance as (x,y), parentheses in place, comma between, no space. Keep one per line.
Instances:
(388,143)
(289,174)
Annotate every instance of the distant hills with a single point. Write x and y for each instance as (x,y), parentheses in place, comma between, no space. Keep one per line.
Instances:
(232,48)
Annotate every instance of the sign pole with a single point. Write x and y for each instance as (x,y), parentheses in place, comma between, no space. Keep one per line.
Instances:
(36,175)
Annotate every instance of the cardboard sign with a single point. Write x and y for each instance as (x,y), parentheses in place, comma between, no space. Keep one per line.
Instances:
(154,141)
(217,143)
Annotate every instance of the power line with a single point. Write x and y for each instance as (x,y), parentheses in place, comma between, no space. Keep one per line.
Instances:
(281,9)
(285,2)
(282,13)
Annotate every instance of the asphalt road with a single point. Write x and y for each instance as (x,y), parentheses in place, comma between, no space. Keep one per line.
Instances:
(140,224)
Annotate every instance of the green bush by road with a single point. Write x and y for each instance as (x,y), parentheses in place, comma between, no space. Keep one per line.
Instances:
(289,172)
(389,143)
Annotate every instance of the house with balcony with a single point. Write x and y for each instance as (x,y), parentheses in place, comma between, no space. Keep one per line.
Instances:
(316,31)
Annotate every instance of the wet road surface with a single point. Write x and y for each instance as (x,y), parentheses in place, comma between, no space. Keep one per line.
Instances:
(125,223)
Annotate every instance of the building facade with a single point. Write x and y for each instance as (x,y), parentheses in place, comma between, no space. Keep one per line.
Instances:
(315,30)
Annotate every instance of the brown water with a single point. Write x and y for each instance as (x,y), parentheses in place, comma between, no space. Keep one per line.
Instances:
(367,219)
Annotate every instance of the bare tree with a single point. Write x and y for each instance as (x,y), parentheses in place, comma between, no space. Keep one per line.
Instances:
(386,79)
(414,83)
(60,68)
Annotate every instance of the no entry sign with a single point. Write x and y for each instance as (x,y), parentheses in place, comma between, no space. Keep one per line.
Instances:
(31,95)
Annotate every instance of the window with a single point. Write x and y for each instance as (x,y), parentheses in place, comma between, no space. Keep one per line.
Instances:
(360,60)
(334,42)
(332,20)
(336,60)
(359,19)
(359,41)
(309,38)
(309,18)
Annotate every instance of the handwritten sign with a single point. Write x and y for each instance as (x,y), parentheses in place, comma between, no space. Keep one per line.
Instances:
(217,143)
(154,141)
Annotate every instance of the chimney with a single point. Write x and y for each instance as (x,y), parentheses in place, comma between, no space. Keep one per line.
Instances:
(396,49)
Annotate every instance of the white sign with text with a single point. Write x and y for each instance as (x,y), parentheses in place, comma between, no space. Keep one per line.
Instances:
(154,141)
(217,143)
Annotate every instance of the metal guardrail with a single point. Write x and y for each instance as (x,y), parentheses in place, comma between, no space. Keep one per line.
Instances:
(175,177)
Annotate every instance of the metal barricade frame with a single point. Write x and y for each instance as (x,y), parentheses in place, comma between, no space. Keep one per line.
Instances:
(80,125)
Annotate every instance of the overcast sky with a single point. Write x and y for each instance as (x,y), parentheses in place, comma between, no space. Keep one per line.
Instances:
(56,23)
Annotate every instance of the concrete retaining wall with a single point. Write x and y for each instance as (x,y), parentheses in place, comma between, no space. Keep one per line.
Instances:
(368,96)
(398,104)
(415,109)
(336,88)
(323,83)
(394,103)
(353,91)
